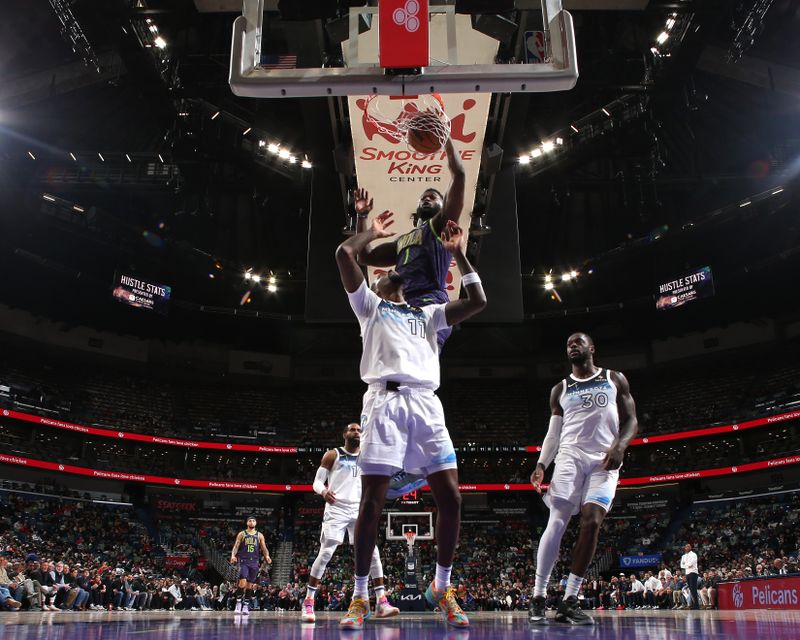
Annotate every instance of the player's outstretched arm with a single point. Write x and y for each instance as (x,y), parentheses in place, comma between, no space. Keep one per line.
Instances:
(453,239)
(381,255)
(551,440)
(235,549)
(454,198)
(347,252)
(628,423)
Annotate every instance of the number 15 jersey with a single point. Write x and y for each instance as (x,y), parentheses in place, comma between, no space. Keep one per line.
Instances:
(399,340)
(591,419)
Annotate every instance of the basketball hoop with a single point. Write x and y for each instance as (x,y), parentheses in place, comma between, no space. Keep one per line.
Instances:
(397,116)
(411,536)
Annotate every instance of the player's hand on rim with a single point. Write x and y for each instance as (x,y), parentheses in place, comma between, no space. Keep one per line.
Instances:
(381,223)
(362,202)
(537,478)
(452,237)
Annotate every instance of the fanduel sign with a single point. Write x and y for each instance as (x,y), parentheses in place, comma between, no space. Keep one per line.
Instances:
(632,562)
(770,593)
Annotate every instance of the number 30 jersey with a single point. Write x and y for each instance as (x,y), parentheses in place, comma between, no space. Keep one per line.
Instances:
(344,480)
(591,419)
(399,340)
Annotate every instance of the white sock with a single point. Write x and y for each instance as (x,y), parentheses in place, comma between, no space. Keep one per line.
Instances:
(540,586)
(379,593)
(362,587)
(442,577)
(311,592)
(573,585)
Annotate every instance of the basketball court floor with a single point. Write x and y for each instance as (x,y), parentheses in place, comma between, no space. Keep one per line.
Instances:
(195,625)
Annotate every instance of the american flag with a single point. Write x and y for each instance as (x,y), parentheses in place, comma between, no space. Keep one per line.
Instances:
(278,61)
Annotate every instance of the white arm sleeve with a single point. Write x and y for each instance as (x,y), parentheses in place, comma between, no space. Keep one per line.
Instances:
(551,441)
(320,479)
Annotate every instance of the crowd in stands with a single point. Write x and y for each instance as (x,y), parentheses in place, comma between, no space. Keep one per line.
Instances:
(78,553)
(479,412)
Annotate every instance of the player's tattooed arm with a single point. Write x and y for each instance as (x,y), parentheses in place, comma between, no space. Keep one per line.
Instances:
(628,423)
(235,549)
(264,549)
(454,198)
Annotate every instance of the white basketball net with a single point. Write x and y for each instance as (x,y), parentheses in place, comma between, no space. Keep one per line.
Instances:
(410,537)
(397,117)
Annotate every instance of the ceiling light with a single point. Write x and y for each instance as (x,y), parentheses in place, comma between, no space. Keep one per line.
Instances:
(559,140)
(246,131)
(566,277)
(548,278)
(160,158)
(777,191)
(101,156)
(604,110)
(305,164)
(283,153)
(214,117)
(160,42)
(548,146)
(524,159)
(30,153)
(536,153)
(574,128)
(670,23)
(292,159)
(77,208)
(255,277)
(548,286)
(247,276)
(573,273)
(48,197)
(273,148)
(745,203)
(272,288)
(72,155)
(128,157)
(662,37)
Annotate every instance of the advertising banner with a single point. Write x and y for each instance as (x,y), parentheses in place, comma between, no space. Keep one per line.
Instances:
(136,292)
(687,287)
(765,593)
(635,562)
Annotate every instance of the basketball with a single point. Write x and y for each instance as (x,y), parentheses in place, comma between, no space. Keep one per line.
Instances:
(422,135)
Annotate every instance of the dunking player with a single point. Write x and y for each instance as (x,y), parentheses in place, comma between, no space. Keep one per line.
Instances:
(592,423)
(402,418)
(251,542)
(342,494)
(418,256)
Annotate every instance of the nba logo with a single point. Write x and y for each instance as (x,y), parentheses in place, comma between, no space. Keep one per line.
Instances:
(534,47)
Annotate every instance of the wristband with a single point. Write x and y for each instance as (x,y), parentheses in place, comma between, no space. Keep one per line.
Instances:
(362,215)
(470,278)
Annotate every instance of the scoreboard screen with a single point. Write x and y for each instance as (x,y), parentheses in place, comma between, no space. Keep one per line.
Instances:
(687,287)
(136,292)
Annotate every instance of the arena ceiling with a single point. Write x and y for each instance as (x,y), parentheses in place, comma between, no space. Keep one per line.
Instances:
(634,204)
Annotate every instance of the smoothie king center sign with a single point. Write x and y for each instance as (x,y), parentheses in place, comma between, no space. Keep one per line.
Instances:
(394,174)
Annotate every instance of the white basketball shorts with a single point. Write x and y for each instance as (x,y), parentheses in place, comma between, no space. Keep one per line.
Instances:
(337,520)
(579,478)
(404,430)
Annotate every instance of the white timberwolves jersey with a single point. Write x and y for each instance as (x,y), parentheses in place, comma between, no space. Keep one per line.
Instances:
(344,480)
(399,340)
(591,420)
